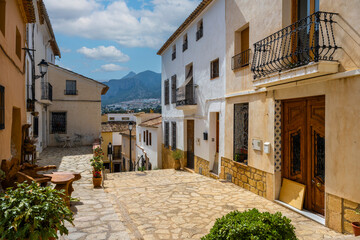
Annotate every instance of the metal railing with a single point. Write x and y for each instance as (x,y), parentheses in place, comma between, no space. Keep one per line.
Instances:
(199,33)
(46,91)
(70,92)
(185,46)
(188,99)
(240,60)
(308,40)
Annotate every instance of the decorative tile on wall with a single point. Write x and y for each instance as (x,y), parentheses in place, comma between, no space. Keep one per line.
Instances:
(277,136)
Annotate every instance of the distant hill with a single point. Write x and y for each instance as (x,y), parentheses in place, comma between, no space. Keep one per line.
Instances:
(143,85)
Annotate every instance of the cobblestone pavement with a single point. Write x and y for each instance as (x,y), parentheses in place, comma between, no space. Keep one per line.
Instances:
(160,204)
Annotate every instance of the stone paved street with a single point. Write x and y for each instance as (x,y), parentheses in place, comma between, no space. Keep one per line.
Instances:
(160,204)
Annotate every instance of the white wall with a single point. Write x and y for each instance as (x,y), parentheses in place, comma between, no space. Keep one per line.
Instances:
(209,93)
(153,151)
(117,138)
(120,117)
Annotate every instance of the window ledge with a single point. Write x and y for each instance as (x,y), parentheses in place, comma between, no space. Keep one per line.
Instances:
(214,78)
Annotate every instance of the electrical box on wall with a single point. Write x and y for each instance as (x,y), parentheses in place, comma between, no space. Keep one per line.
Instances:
(256,144)
(267,148)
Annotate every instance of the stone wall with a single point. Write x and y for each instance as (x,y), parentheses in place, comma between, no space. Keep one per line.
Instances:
(203,164)
(244,176)
(340,213)
(167,159)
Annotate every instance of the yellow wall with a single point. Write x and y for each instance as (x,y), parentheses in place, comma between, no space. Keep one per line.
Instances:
(13,79)
(107,137)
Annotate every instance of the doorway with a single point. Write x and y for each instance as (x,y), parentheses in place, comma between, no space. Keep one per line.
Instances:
(303,122)
(190,144)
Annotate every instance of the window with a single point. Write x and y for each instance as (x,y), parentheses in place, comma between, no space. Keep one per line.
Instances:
(166,133)
(173,89)
(18,44)
(166,92)
(200,30)
(125,118)
(2,107)
(2,16)
(173,56)
(111,118)
(36,127)
(242,50)
(214,68)
(58,122)
(144,136)
(150,139)
(185,43)
(147,137)
(173,135)
(70,87)
(139,137)
(241,122)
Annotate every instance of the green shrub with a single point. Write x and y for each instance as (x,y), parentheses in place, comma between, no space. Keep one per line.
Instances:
(177,154)
(33,212)
(252,225)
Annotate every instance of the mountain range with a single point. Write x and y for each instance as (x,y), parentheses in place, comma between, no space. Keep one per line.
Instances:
(143,85)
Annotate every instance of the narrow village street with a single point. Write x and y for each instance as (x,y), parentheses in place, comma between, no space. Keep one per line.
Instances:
(159,204)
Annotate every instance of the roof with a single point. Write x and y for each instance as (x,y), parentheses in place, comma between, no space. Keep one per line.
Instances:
(43,16)
(27,10)
(114,126)
(200,8)
(154,122)
(105,88)
(126,132)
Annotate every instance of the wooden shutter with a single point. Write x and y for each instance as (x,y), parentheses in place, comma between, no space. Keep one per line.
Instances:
(147,137)
(245,39)
(173,135)
(173,89)
(150,139)
(166,92)
(144,137)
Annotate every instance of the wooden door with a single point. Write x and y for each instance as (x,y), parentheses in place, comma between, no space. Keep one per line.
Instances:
(303,140)
(217,132)
(190,144)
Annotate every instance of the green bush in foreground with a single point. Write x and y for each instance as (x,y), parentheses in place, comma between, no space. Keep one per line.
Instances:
(252,225)
(33,212)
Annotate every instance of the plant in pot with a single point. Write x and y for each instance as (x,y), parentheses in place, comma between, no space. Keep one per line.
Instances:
(97,165)
(33,212)
(177,155)
(98,152)
(356,225)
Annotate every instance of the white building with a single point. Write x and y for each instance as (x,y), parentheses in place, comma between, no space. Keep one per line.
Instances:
(41,44)
(149,139)
(121,117)
(193,88)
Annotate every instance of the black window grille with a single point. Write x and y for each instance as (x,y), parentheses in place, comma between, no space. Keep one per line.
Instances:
(70,87)
(173,89)
(2,107)
(200,30)
(36,127)
(166,133)
(58,122)
(214,69)
(173,55)
(241,123)
(173,135)
(166,91)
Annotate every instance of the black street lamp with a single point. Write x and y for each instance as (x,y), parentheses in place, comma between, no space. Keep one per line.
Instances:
(130,129)
(43,67)
(110,152)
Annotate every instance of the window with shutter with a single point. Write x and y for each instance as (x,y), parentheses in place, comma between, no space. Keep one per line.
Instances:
(150,139)
(166,92)
(58,122)
(173,89)
(36,127)
(166,133)
(147,137)
(214,65)
(144,136)
(173,135)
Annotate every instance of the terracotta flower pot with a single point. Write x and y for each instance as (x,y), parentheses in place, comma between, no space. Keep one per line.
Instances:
(356,228)
(177,164)
(97,182)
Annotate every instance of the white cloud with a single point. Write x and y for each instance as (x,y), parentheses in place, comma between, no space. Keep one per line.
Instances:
(116,21)
(111,68)
(111,54)
(65,50)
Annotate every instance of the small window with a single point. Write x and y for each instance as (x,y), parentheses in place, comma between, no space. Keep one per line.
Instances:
(150,139)
(70,87)
(144,136)
(173,89)
(139,137)
(200,30)
(166,91)
(185,42)
(125,118)
(111,118)
(36,127)
(147,137)
(214,68)
(18,44)
(2,16)
(173,135)
(166,133)
(2,107)
(173,56)
(58,122)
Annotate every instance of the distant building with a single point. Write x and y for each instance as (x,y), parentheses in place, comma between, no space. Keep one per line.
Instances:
(127,164)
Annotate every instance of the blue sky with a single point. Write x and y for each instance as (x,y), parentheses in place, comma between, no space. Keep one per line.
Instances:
(106,39)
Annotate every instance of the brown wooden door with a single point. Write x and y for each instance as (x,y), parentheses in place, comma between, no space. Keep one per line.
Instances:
(190,144)
(304,147)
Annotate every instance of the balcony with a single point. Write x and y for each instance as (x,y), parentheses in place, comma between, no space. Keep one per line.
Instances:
(302,50)
(199,34)
(185,96)
(70,92)
(240,60)
(46,93)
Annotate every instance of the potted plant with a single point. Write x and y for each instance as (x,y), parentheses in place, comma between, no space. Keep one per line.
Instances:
(356,225)
(97,165)
(33,212)
(177,155)
(98,152)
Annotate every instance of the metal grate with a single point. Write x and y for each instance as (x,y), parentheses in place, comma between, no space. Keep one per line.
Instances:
(240,60)
(58,122)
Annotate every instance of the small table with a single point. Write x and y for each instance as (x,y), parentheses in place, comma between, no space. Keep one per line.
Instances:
(63,181)
(67,142)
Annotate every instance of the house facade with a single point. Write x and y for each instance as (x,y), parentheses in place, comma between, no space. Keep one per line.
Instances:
(291,94)
(149,138)
(128,150)
(193,89)
(75,112)
(14,15)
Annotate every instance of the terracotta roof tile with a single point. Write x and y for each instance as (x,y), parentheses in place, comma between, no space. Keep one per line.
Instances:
(114,126)
(154,122)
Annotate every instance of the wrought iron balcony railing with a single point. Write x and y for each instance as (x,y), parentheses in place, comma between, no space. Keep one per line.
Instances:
(240,60)
(187,97)
(185,46)
(199,34)
(70,92)
(308,40)
(46,91)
